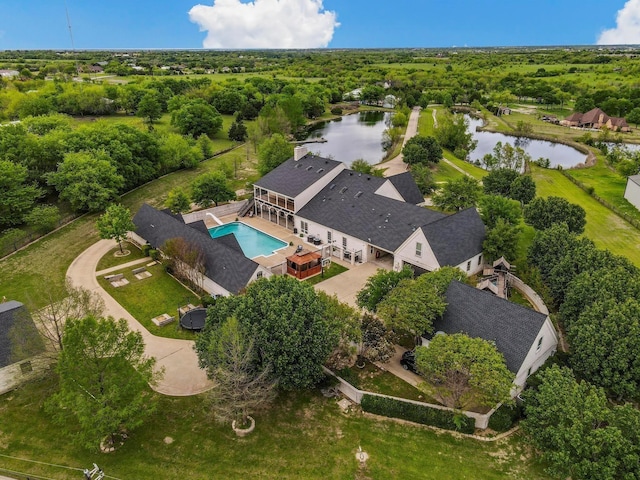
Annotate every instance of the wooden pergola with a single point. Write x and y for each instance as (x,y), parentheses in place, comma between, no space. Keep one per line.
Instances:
(304,264)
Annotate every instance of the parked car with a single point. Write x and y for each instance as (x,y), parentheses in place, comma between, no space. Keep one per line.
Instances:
(408,361)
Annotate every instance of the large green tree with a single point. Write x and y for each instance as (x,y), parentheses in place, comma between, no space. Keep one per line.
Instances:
(150,107)
(88,181)
(195,118)
(541,213)
(461,371)
(211,188)
(17,196)
(272,152)
(104,378)
(115,223)
(178,201)
(379,285)
(422,150)
(458,194)
(495,207)
(502,241)
(499,181)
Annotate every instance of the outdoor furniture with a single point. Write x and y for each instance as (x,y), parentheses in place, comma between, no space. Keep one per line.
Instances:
(141,273)
(185,308)
(304,264)
(117,280)
(162,320)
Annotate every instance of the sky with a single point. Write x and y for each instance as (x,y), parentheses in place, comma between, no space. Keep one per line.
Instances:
(230,24)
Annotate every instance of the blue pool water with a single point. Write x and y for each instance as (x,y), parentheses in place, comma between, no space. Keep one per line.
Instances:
(253,242)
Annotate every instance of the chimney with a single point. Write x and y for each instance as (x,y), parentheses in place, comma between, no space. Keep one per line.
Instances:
(299,152)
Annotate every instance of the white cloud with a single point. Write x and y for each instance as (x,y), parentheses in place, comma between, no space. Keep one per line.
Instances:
(265,24)
(627,29)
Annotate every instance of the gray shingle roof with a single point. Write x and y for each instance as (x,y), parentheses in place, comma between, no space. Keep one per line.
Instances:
(292,177)
(406,186)
(225,265)
(19,338)
(456,238)
(513,328)
(348,204)
(635,179)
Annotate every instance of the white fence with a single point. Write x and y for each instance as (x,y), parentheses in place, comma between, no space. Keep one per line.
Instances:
(219,211)
(528,292)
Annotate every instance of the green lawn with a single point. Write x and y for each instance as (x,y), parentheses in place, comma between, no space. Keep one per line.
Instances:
(604,227)
(304,436)
(111,260)
(333,270)
(153,296)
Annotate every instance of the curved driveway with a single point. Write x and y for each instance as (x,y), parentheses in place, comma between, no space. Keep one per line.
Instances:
(182,376)
(396,165)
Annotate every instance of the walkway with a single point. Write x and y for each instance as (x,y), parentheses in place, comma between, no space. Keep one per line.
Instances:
(394,366)
(346,285)
(182,376)
(396,165)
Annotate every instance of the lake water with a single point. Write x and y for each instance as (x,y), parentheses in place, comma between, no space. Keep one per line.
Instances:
(557,153)
(351,137)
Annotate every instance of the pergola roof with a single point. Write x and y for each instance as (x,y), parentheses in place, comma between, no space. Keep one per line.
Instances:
(304,257)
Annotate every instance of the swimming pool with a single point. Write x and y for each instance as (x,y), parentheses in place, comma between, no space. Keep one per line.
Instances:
(253,242)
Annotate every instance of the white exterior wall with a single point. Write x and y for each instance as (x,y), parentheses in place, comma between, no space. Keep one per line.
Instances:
(303,198)
(632,193)
(388,190)
(137,238)
(407,253)
(353,244)
(536,357)
(476,266)
(11,376)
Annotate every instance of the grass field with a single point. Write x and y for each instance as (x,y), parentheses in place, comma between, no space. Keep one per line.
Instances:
(111,260)
(333,270)
(303,437)
(604,227)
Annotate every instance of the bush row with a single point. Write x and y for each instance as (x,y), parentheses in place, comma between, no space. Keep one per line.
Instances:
(390,407)
(505,417)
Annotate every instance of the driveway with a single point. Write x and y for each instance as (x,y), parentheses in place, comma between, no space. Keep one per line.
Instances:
(346,285)
(182,376)
(396,165)
(394,367)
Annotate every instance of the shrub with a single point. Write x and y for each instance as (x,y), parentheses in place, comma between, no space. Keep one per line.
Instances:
(154,254)
(504,418)
(146,249)
(336,111)
(207,300)
(417,413)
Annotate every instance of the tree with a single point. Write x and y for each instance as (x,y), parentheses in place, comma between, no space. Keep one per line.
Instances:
(578,434)
(379,285)
(43,218)
(634,116)
(605,340)
(230,361)
(494,207)
(377,343)
(461,371)
(196,118)
(502,241)
(542,213)
(458,194)
(499,181)
(88,181)
(287,321)
(115,223)
(423,177)
(150,107)
(238,131)
(186,260)
(584,104)
(272,152)
(523,189)
(452,133)
(178,201)
(506,157)
(362,166)
(423,150)
(176,152)
(65,304)
(17,196)
(210,188)
(549,247)
(104,378)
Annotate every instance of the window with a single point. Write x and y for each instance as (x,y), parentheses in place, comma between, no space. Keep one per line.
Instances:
(539,344)
(418,249)
(529,372)
(329,236)
(304,227)
(479,260)
(344,242)
(259,274)
(468,265)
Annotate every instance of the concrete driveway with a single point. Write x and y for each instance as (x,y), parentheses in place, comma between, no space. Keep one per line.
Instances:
(182,376)
(346,285)
(394,367)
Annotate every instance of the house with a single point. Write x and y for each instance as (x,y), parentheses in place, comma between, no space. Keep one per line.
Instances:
(9,73)
(227,270)
(596,118)
(362,217)
(632,191)
(22,351)
(525,337)
(503,111)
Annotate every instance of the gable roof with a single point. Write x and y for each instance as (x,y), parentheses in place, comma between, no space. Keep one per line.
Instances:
(457,237)
(593,116)
(19,337)
(293,177)
(635,179)
(224,262)
(574,117)
(511,327)
(350,205)
(406,186)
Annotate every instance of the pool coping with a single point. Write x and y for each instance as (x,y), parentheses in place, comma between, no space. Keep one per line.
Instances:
(274,252)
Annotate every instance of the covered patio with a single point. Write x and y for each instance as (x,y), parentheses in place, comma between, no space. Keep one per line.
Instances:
(304,264)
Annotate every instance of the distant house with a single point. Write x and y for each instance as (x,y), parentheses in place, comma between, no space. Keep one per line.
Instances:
(22,351)
(525,337)
(227,270)
(95,69)
(504,111)
(632,191)
(596,118)
(9,73)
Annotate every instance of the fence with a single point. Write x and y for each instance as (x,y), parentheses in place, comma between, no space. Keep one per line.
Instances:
(219,211)
(13,240)
(355,395)
(528,292)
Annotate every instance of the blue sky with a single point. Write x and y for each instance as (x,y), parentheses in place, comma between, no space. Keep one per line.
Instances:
(41,24)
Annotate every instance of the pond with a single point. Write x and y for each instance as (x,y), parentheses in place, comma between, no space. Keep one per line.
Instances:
(351,137)
(557,153)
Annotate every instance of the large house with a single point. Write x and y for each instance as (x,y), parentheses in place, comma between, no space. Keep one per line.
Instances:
(525,337)
(596,118)
(227,270)
(362,217)
(22,351)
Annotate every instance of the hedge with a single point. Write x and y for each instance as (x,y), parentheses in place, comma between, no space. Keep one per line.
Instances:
(390,407)
(505,417)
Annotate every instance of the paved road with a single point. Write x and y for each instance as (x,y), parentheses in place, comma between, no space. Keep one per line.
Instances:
(396,165)
(182,375)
